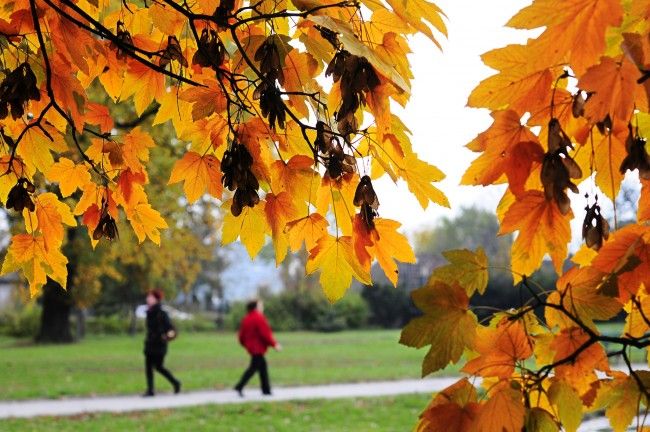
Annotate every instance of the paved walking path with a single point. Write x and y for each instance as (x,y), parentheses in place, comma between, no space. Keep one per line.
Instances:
(117,404)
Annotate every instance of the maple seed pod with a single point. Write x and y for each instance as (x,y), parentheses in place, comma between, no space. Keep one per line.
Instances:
(637,156)
(578,104)
(268,55)
(211,52)
(125,39)
(221,14)
(19,197)
(237,176)
(106,228)
(365,194)
(18,88)
(595,228)
(171,52)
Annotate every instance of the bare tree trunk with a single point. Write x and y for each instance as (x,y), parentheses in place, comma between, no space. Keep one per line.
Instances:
(55,318)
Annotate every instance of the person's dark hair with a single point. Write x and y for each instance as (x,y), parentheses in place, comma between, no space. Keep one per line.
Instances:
(251,305)
(158,294)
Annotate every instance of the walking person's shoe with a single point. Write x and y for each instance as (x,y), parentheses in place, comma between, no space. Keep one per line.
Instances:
(177,387)
(267,393)
(148,393)
(239,391)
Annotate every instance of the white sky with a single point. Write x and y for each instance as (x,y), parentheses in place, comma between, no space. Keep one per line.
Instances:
(437,115)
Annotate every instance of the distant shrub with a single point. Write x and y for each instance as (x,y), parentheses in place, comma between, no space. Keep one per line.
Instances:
(308,311)
(23,322)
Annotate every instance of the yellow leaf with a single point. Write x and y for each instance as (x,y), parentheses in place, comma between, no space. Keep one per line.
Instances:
(34,148)
(28,252)
(388,245)
(447,325)
(69,175)
(146,222)
(337,264)
(250,226)
(51,214)
(135,149)
(419,175)
(279,210)
(567,403)
(144,84)
(198,174)
(307,230)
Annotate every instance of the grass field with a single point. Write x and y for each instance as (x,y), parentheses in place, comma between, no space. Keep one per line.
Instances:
(386,414)
(114,365)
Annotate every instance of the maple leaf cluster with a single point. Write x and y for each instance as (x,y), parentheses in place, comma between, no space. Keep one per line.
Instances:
(569,107)
(241,84)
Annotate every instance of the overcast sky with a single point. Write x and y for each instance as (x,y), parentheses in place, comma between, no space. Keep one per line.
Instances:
(437,115)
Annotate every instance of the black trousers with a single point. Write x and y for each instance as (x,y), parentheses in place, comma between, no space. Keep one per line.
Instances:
(155,361)
(258,364)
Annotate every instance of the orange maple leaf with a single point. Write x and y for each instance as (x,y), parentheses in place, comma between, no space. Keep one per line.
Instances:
(199,173)
(542,229)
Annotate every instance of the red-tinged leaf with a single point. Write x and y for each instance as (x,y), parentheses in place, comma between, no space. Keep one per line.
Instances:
(454,409)
(542,229)
(199,173)
(509,148)
(99,115)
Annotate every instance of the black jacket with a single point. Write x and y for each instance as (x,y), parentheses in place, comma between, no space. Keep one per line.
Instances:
(158,324)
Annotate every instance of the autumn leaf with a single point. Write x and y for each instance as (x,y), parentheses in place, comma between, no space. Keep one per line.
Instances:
(614,87)
(335,259)
(69,175)
(580,372)
(503,411)
(51,215)
(469,269)
(251,227)
(146,222)
(99,115)
(279,211)
(567,403)
(620,397)
(454,409)
(575,29)
(419,177)
(144,84)
(447,325)
(198,174)
(542,229)
(28,252)
(307,230)
(499,349)
(509,148)
(388,245)
(577,291)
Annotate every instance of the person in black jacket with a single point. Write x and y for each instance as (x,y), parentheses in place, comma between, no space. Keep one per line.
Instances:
(159,332)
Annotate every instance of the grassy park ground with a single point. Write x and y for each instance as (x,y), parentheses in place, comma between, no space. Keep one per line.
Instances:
(114,364)
(387,414)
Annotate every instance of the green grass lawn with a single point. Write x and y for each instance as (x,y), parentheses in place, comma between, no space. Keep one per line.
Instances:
(114,364)
(388,414)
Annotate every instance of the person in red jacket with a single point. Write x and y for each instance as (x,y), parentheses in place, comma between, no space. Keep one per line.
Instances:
(256,336)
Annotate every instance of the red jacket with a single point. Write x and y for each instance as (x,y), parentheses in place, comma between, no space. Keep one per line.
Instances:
(255,333)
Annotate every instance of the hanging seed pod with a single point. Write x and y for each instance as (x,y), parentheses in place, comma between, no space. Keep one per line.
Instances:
(124,37)
(211,52)
(365,194)
(222,12)
(18,88)
(171,52)
(595,228)
(20,196)
(637,156)
(558,168)
(578,104)
(237,176)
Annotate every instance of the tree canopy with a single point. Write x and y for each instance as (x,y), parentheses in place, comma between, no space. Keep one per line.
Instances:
(283,112)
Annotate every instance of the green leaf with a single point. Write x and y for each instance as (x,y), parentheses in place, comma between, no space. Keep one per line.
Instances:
(469,269)
(448,326)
